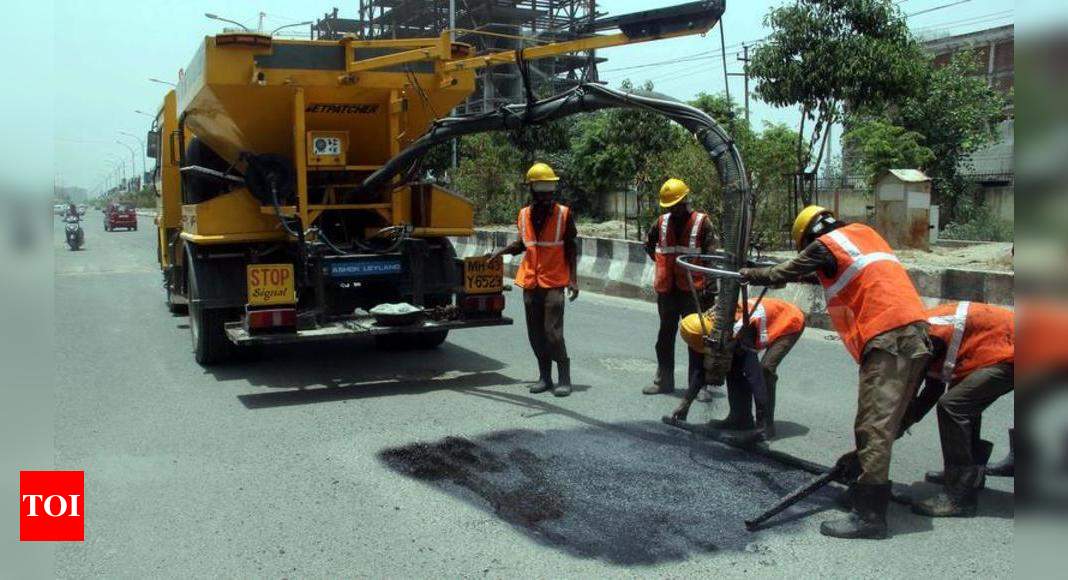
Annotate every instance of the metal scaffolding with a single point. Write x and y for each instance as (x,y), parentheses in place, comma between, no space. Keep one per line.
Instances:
(487,25)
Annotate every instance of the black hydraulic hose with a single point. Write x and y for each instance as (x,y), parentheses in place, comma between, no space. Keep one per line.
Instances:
(582,98)
(588,97)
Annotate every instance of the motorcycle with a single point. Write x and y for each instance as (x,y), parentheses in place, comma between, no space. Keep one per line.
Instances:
(75,234)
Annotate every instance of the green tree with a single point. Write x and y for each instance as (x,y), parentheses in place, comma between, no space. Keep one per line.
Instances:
(881,145)
(726,112)
(769,159)
(619,149)
(957,111)
(823,54)
(490,174)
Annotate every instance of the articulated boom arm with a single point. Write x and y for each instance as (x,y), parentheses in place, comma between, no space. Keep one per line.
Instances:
(670,22)
(738,201)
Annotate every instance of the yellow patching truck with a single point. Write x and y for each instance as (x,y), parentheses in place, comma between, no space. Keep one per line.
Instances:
(289,207)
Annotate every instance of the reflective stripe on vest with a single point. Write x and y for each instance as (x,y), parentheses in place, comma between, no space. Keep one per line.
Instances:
(871,292)
(692,248)
(860,261)
(760,315)
(959,321)
(544,263)
(528,241)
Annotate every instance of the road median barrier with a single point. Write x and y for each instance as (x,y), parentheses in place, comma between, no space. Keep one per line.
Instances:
(621,268)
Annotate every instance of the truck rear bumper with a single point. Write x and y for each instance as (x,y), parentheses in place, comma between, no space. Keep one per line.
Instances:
(347,329)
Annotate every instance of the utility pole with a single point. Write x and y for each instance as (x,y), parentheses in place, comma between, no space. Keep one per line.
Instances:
(745,73)
(745,76)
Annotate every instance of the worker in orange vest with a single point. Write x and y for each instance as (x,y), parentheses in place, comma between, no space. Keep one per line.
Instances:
(974,353)
(546,239)
(679,232)
(774,327)
(879,316)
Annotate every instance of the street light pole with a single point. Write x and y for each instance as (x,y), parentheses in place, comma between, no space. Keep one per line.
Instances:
(141,142)
(133,163)
(221,19)
(309,22)
(121,166)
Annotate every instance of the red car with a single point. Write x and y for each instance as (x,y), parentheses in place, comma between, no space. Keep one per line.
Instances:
(120,215)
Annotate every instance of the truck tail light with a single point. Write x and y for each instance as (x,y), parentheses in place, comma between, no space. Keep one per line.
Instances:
(271,319)
(485,303)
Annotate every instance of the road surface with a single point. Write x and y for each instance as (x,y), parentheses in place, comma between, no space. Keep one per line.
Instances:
(343,460)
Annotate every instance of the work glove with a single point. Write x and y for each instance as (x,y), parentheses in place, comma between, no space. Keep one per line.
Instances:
(847,467)
(758,276)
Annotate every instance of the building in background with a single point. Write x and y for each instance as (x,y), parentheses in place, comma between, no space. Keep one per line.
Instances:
(992,167)
(487,25)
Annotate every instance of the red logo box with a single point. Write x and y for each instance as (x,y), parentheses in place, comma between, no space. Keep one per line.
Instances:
(51,506)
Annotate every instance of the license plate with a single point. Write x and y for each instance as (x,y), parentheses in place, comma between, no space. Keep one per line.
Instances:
(482,276)
(364,268)
(270,284)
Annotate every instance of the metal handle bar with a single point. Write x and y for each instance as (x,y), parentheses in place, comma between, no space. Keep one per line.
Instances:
(683,261)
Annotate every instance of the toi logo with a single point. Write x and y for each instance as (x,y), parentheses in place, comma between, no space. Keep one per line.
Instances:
(51,506)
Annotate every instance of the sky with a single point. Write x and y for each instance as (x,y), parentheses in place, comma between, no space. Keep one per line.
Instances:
(105,52)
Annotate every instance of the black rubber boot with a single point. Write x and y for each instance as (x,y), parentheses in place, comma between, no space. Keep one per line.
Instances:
(563,383)
(959,498)
(765,414)
(1006,467)
(545,377)
(867,519)
(740,403)
(663,383)
(981,453)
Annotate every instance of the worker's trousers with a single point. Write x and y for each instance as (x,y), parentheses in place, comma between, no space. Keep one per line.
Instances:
(545,322)
(891,368)
(961,407)
(773,356)
(671,306)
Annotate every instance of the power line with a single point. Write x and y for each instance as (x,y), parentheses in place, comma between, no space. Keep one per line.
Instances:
(957,3)
(971,20)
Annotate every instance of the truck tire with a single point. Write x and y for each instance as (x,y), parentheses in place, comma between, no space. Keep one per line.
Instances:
(210,344)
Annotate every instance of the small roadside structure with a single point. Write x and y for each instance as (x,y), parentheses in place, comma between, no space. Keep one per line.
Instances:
(903,208)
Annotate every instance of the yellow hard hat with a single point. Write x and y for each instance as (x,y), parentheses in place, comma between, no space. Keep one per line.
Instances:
(691,332)
(541,172)
(673,191)
(804,221)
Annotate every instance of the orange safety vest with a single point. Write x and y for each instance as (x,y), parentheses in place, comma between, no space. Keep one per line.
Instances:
(774,318)
(544,263)
(871,292)
(977,335)
(668,276)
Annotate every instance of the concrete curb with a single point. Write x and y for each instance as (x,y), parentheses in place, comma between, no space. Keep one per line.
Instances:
(621,268)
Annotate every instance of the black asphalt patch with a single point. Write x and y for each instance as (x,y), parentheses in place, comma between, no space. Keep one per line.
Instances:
(634,493)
